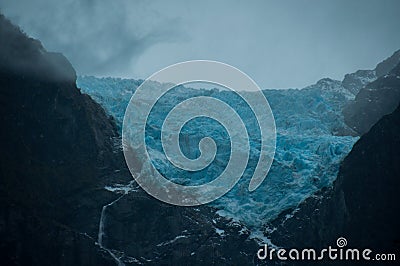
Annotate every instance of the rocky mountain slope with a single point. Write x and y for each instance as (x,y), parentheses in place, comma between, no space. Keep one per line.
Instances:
(373,101)
(354,82)
(362,205)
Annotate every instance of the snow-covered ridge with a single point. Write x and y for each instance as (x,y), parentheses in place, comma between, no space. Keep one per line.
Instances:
(312,139)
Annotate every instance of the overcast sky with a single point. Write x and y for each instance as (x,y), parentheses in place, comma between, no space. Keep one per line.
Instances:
(279,44)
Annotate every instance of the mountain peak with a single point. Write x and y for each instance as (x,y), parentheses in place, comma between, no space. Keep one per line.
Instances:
(354,82)
(327,82)
(24,55)
(384,67)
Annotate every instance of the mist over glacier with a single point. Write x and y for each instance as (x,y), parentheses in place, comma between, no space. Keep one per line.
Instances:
(312,139)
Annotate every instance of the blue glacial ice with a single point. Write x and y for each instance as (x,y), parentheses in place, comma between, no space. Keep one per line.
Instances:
(312,139)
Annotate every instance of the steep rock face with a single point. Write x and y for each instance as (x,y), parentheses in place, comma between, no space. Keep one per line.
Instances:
(55,146)
(354,82)
(147,231)
(386,66)
(376,99)
(362,205)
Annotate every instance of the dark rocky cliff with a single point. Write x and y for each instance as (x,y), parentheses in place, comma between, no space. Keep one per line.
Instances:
(373,101)
(386,66)
(362,205)
(56,148)
(354,82)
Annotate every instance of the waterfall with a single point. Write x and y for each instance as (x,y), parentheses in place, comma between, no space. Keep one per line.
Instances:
(101,232)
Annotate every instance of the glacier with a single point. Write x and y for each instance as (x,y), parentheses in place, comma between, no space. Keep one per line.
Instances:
(312,139)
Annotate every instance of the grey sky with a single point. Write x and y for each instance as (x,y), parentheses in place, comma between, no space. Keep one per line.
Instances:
(278,43)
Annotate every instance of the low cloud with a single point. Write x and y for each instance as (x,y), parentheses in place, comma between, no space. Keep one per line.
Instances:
(280,44)
(98,37)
